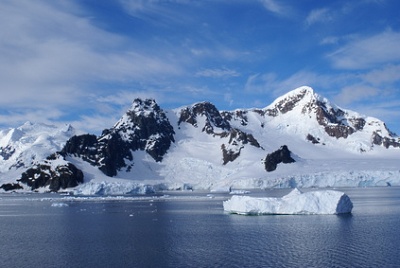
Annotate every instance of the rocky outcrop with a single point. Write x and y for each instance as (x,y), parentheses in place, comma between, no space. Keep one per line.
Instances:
(217,124)
(238,115)
(108,152)
(237,141)
(144,127)
(213,118)
(283,155)
(11,186)
(287,104)
(335,121)
(384,141)
(6,152)
(312,139)
(54,173)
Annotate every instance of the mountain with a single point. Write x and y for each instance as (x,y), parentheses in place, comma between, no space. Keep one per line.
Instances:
(306,113)
(301,139)
(24,146)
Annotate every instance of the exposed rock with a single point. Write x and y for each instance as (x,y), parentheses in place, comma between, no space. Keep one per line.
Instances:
(144,127)
(312,139)
(358,123)
(236,115)
(53,172)
(385,141)
(229,155)
(209,111)
(286,105)
(339,131)
(237,140)
(332,118)
(11,186)
(7,152)
(283,155)
(81,145)
(217,124)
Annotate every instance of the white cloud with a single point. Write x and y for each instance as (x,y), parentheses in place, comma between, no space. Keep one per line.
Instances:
(19,116)
(157,11)
(53,56)
(217,73)
(356,93)
(270,82)
(274,7)
(367,52)
(318,15)
(329,40)
(386,75)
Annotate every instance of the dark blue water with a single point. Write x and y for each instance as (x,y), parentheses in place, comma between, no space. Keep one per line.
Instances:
(193,231)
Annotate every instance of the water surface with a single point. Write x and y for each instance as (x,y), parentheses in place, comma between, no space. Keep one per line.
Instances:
(191,230)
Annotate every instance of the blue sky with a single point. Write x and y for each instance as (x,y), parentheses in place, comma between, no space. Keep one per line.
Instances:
(84,61)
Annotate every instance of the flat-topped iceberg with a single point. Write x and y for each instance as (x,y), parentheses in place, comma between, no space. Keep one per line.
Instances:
(296,202)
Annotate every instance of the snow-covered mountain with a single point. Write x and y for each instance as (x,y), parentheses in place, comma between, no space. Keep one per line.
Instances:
(301,139)
(22,147)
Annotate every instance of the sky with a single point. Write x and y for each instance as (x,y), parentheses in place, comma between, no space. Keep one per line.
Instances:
(84,61)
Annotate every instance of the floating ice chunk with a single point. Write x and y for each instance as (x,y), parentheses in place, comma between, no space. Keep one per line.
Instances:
(296,202)
(59,205)
(239,192)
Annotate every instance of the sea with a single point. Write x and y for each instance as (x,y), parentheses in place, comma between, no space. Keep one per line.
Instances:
(190,229)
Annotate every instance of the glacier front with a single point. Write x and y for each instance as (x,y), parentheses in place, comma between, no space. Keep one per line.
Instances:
(296,202)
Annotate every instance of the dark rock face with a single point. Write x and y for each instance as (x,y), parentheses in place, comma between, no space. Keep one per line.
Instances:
(236,115)
(49,173)
(112,152)
(286,105)
(217,124)
(312,139)
(339,131)
(144,127)
(229,155)
(6,152)
(283,155)
(213,117)
(385,141)
(80,145)
(11,186)
(237,140)
(334,120)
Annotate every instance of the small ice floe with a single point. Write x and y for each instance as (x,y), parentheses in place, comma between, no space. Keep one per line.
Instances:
(296,202)
(59,205)
(239,192)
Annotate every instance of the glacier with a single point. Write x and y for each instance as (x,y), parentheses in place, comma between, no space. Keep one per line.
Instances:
(296,202)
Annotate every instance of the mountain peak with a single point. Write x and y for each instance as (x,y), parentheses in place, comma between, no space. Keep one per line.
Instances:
(208,111)
(146,105)
(299,97)
(303,90)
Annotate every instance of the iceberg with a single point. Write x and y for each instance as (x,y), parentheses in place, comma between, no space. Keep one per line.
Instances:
(296,202)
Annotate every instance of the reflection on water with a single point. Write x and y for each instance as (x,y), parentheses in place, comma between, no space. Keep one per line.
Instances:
(191,230)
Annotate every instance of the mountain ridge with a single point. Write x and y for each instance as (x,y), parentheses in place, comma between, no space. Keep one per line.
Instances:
(199,145)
